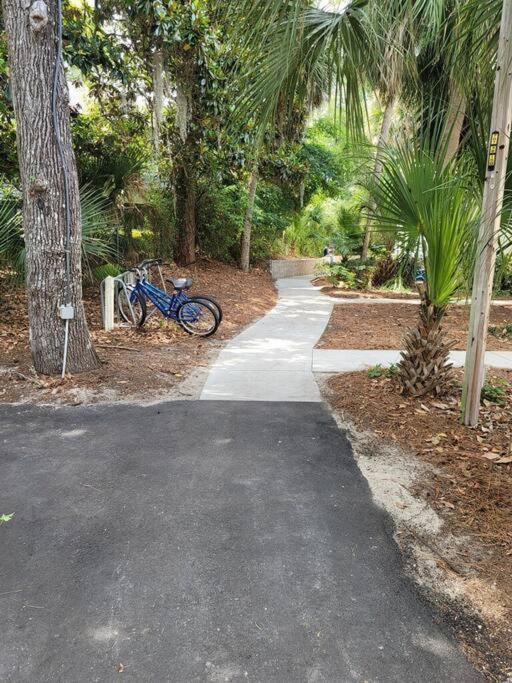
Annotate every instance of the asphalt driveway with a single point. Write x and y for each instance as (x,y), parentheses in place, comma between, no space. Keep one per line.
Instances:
(201,541)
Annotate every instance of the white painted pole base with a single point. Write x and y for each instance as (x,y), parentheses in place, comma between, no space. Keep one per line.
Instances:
(108,304)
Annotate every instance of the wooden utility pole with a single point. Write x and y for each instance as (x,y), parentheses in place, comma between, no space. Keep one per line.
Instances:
(490,221)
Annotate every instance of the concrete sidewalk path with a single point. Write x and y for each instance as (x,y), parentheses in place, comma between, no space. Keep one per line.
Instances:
(271,360)
(350,360)
(274,359)
(202,542)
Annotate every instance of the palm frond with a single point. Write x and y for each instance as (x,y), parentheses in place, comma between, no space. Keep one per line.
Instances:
(431,205)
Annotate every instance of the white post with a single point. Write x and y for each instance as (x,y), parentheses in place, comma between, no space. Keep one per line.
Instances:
(108,304)
(489,222)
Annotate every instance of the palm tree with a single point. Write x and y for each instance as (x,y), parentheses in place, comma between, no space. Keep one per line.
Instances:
(432,204)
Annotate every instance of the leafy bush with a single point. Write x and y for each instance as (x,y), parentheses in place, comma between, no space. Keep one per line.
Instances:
(501,330)
(351,275)
(495,391)
(375,371)
(101,272)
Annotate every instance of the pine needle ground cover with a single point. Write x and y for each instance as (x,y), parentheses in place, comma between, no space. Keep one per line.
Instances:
(136,363)
(383,326)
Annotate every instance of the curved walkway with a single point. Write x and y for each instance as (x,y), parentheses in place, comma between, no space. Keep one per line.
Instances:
(272,359)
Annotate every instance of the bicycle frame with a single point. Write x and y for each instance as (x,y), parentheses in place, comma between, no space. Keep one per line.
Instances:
(167,304)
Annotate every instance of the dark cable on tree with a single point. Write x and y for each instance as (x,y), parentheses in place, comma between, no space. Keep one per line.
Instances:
(66,310)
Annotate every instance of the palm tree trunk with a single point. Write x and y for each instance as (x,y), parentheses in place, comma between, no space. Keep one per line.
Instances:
(246,235)
(32,37)
(454,121)
(158,96)
(425,366)
(377,169)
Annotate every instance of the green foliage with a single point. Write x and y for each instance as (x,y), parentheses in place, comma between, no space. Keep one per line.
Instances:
(501,331)
(99,273)
(338,275)
(353,274)
(433,210)
(6,517)
(98,228)
(323,221)
(495,391)
(111,155)
(375,371)
(11,235)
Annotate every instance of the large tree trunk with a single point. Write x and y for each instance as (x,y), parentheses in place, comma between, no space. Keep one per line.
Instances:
(454,121)
(246,235)
(158,96)
(32,37)
(185,160)
(186,215)
(377,169)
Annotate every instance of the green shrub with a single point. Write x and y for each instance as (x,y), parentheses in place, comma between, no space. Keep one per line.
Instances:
(495,391)
(375,371)
(101,272)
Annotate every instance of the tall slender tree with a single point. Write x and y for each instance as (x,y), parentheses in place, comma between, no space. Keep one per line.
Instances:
(49,184)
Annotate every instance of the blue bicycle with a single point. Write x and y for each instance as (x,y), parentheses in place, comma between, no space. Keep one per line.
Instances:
(198,315)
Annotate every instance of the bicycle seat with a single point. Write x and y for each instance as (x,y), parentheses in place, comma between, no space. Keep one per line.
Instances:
(180,283)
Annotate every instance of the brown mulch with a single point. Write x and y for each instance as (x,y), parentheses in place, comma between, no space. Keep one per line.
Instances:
(382,326)
(470,480)
(135,362)
(371,293)
(338,293)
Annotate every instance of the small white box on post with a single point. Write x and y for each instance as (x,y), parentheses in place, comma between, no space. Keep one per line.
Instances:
(108,304)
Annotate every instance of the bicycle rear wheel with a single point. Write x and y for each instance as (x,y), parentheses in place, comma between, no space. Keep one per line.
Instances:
(212,301)
(198,317)
(138,306)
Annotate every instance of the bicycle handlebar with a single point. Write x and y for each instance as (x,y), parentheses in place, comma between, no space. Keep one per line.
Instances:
(149,262)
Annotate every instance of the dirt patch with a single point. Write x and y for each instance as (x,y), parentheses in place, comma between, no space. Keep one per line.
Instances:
(383,326)
(158,360)
(448,489)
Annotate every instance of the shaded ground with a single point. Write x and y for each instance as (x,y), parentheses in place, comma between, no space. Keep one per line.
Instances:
(382,326)
(469,483)
(338,293)
(136,363)
(240,542)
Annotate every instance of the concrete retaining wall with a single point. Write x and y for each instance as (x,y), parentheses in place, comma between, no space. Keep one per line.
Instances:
(293,267)
(296,266)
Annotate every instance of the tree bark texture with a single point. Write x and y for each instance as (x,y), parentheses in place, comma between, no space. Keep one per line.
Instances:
(377,169)
(158,96)
(245,254)
(31,31)
(454,121)
(185,161)
(185,183)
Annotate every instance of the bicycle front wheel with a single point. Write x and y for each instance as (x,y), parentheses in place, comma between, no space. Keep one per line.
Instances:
(138,306)
(198,317)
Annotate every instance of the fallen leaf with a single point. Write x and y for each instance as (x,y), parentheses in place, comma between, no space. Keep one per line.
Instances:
(489,456)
